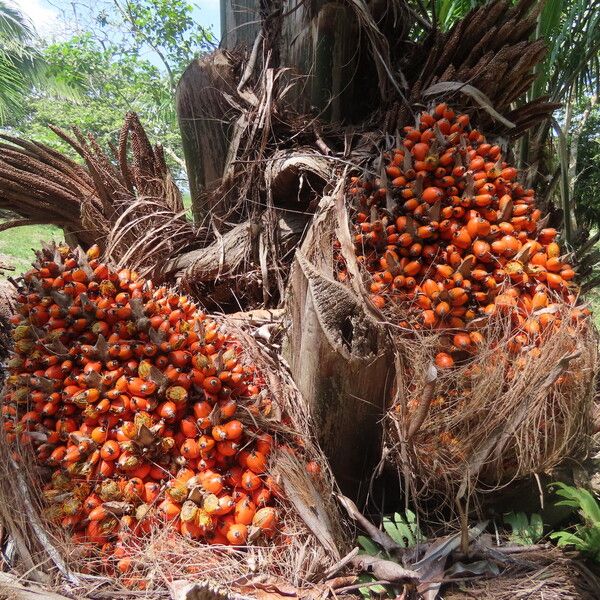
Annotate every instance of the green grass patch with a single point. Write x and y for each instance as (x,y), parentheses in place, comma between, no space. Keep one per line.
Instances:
(17,245)
(187,203)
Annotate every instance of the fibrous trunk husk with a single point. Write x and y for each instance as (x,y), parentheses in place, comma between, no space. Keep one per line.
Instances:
(339,358)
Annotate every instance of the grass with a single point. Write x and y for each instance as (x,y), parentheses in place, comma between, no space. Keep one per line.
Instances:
(17,245)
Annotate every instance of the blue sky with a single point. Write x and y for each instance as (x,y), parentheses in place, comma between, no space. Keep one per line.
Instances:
(45,14)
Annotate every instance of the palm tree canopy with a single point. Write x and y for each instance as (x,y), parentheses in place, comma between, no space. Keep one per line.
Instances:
(20,62)
(22,66)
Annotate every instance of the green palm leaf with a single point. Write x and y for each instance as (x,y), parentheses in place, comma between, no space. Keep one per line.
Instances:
(22,67)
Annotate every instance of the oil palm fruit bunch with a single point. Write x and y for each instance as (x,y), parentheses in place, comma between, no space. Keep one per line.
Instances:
(143,409)
(449,235)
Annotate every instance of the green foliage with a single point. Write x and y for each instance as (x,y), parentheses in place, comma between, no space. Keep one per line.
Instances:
(111,59)
(525,531)
(447,12)
(167,27)
(405,531)
(22,66)
(17,59)
(587,183)
(586,535)
(112,83)
(572,30)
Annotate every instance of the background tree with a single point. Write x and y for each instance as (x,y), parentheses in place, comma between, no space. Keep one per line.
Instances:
(22,66)
(122,55)
(587,179)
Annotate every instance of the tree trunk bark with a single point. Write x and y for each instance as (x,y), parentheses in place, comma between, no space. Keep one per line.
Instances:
(240,23)
(339,360)
(204,120)
(329,75)
(319,40)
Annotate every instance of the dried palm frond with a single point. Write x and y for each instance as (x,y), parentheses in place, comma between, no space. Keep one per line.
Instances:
(491,49)
(127,203)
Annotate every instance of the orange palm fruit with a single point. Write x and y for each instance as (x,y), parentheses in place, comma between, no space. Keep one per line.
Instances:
(110,450)
(237,534)
(244,511)
(266,520)
(555,281)
(250,481)
(432,194)
(461,238)
(547,236)
(462,341)
(481,250)
(443,360)
(256,462)
(553,250)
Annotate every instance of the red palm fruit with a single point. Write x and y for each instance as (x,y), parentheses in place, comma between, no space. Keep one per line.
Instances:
(151,492)
(567,274)
(420,151)
(458,296)
(250,481)
(266,520)
(212,482)
(478,226)
(140,387)
(412,268)
(233,429)
(237,534)
(191,529)
(264,443)
(554,265)
(127,461)
(555,281)
(228,448)
(212,385)
(188,427)
(167,410)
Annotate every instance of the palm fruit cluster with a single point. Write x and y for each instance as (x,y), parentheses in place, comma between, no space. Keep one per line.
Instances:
(448,234)
(143,409)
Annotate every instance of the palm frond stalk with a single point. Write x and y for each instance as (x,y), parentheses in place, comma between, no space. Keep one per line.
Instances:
(132,208)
